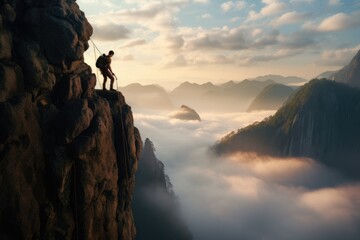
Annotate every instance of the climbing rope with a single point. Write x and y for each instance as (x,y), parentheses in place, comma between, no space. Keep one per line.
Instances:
(125,147)
(97,71)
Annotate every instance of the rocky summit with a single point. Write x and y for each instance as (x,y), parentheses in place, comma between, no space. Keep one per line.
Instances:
(68,153)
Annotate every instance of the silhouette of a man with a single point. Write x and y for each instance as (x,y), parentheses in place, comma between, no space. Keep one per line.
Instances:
(107,72)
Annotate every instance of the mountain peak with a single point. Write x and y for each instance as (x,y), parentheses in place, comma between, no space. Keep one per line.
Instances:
(350,74)
(319,121)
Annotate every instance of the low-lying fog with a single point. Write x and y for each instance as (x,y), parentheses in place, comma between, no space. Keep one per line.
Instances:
(246,196)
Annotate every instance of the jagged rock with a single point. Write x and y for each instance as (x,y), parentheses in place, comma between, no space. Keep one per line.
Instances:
(21,169)
(38,73)
(67,89)
(186,113)
(11,80)
(60,47)
(73,119)
(88,84)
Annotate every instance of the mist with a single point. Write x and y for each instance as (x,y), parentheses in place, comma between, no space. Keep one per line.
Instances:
(246,196)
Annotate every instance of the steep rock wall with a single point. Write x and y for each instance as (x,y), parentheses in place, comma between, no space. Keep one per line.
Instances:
(68,154)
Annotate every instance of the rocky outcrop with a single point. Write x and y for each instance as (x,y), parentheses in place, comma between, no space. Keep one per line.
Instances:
(350,74)
(156,207)
(270,98)
(320,121)
(68,153)
(186,113)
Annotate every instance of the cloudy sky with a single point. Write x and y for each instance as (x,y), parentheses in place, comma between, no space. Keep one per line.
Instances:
(171,41)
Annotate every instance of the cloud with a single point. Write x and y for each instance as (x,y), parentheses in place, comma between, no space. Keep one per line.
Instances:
(338,57)
(179,61)
(249,196)
(335,23)
(338,22)
(335,2)
(225,38)
(202,1)
(280,54)
(128,57)
(301,1)
(290,18)
(271,7)
(298,40)
(133,43)
(230,5)
(206,16)
(110,32)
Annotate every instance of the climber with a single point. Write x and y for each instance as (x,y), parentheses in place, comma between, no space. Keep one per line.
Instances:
(104,64)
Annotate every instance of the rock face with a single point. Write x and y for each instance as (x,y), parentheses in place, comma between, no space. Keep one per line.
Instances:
(271,97)
(156,209)
(350,74)
(187,114)
(68,154)
(320,121)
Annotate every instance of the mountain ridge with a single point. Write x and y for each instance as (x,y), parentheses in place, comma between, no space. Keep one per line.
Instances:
(319,121)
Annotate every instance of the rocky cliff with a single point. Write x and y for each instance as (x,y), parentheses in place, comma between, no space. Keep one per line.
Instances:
(68,153)
(156,207)
(320,121)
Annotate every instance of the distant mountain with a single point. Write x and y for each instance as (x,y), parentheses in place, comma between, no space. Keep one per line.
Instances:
(147,96)
(192,91)
(271,97)
(350,74)
(186,113)
(320,121)
(327,75)
(155,205)
(230,96)
(289,80)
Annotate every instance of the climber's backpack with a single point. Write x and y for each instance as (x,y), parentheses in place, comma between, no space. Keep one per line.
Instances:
(101,62)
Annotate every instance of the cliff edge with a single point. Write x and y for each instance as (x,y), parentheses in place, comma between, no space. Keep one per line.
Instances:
(68,153)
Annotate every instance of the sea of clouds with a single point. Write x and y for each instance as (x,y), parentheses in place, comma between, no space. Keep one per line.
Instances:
(245,196)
